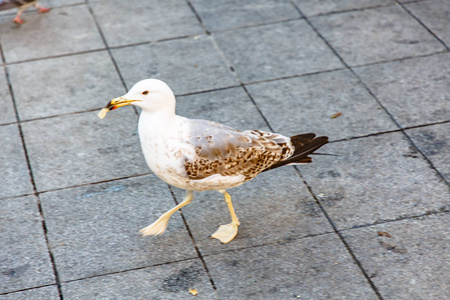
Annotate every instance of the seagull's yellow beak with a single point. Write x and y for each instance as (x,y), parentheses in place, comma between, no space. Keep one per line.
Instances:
(113,104)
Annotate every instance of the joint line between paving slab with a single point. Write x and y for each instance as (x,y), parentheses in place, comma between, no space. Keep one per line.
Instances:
(426,158)
(402,218)
(53,56)
(257,25)
(198,17)
(27,289)
(278,242)
(380,62)
(156,41)
(33,183)
(76,186)
(93,183)
(95,50)
(350,10)
(106,44)
(423,25)
(341,237)
(130,270)
(389,131)
(295,76)
(199,254)
(257,108)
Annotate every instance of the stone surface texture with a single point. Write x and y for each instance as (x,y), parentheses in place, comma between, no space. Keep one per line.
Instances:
(368,221)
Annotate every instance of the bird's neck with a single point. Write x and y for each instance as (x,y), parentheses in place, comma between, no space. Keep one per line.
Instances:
(155,124)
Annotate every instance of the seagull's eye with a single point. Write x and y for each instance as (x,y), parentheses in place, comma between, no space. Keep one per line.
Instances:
(145,93)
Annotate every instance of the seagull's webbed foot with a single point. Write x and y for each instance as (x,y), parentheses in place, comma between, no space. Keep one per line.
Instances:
(159,226)
(226,233)
(18,20)
(43,9)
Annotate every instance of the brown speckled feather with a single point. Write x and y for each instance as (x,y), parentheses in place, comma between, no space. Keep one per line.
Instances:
(228,152)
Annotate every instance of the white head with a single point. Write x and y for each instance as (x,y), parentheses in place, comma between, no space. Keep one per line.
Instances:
(152,95)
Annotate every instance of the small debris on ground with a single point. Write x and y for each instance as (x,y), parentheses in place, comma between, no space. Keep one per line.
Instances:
(193,292)
(382,233)
(336,115)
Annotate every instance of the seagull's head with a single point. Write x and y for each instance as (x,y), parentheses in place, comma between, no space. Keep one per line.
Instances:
(152,95)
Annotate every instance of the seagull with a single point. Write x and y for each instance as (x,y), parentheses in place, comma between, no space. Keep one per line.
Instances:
(201,155)
(22,5)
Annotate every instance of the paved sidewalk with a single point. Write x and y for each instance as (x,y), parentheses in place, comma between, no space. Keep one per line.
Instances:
(370,223)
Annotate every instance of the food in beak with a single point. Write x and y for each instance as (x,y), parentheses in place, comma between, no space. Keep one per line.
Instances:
(110,106)
(102,113)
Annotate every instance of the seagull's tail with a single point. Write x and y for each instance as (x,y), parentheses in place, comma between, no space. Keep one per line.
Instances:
(304,145)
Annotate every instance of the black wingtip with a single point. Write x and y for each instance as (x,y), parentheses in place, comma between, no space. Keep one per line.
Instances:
(304,144)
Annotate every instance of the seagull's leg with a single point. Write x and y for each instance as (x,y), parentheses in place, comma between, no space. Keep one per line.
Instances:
(17,19)
(226,233)
(159,226)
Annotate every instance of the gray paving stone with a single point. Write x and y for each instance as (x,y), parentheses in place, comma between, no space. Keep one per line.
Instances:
(435,15)
(44,293)
(7,15)
(276,50)
(221,15)
(433,142)
(410,1)
(14,176)
(71,84)
(313,8)
(80,149)
(57,3)
(374,179)
(307,104)
(150,20)
(169,281)
(412,264)
(275,206)
(24,257)
(7,114)
(188,65)
(78,33)
(231,107)
(415,91)
(94,230)
(311,268)
(374,35)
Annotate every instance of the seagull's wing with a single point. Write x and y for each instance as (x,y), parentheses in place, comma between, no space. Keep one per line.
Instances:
(220,149)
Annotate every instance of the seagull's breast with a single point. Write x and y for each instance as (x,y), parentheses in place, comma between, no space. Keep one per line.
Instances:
(165,157)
